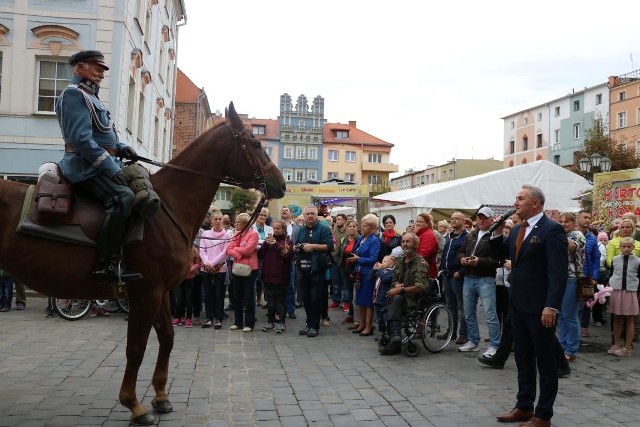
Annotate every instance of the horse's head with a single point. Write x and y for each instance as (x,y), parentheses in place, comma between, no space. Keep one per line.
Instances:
(260,167)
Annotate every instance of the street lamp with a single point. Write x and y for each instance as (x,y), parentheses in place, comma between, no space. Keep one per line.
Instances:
(597,163)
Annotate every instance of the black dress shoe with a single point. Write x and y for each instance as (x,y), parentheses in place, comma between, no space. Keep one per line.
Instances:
(366,334)
(564,372)
(292,315)
(491,361)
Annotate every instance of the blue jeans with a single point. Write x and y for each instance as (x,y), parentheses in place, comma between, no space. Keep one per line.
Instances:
(6,292)
(568,323)
(291,293)
(485,289)
(455,302)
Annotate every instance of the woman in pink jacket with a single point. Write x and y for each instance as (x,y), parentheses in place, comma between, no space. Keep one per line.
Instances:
(243,249)
(213,255)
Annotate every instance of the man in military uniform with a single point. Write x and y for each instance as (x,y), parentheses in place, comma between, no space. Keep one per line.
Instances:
(91,147)
(410,280)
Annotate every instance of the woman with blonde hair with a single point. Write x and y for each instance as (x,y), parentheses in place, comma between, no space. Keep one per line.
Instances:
(365,255)
(243,248)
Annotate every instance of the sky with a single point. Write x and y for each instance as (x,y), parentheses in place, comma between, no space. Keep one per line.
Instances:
(432,78)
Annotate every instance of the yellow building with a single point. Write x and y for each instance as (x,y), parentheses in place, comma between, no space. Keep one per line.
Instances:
(352,155)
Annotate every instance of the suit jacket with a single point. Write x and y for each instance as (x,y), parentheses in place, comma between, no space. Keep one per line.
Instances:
(539,273)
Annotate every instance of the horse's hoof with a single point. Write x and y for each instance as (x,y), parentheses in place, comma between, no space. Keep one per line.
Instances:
(162,406)
(145,419)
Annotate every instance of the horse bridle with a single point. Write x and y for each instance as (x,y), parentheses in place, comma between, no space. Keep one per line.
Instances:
(259,181)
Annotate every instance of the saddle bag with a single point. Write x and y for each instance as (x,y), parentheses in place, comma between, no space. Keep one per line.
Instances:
(53,201)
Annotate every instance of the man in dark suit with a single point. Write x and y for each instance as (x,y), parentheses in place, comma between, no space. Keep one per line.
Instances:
(538,251)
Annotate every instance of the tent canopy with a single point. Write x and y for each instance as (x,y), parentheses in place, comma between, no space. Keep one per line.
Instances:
(499,187)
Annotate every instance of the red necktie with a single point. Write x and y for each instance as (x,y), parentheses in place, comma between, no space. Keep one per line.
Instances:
(523,229)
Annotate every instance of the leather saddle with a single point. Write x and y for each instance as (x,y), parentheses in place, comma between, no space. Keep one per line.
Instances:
(63,204)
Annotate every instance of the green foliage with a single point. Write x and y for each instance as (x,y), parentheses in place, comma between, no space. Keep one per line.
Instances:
(243,200)
(598,140)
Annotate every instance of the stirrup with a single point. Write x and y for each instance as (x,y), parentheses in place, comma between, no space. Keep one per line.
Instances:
(113,273)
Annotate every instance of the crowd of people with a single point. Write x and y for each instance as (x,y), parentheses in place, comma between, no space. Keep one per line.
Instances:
(329,264)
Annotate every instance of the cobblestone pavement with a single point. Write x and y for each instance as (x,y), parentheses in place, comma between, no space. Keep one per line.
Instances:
(59,373)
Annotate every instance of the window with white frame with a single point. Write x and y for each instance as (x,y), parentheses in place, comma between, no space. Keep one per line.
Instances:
(300,152)
(622,119)
(131,99)
(342,134)
(556,111)
(223,195)
(598,98)
(268,150)
(287,174)
(556,136)
(350,156)
(539,117)
(374,180)
(332,175)
(258,129)
(299,175)
(622,95)
(53,78)
(141,116)
(333,155)
(288,152)
(526,120)
(375,158)
(312,153)
(576,131)
(351,177)
(312,174)
(576,105)
(513,124)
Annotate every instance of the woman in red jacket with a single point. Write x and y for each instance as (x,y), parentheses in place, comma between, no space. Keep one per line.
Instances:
(428,247)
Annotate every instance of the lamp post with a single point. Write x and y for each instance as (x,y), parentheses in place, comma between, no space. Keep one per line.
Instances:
(590,166)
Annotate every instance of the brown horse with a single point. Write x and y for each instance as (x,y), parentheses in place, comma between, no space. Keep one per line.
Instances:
(228,152)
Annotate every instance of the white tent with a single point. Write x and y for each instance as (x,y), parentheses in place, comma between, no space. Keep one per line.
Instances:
(499,187)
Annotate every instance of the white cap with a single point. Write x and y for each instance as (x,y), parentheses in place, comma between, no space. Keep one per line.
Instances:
(486,211)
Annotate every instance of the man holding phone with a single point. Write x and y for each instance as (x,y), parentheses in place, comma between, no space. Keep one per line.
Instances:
(480,282)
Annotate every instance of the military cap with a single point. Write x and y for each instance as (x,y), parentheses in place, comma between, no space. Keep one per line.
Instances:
(88,56)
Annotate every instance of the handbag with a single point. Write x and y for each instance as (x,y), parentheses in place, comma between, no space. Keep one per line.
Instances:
(242,270)
(584,289)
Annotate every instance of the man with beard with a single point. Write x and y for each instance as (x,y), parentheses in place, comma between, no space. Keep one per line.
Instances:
(410,280)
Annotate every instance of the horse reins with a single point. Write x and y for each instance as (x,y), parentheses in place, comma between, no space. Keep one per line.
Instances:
(259,181)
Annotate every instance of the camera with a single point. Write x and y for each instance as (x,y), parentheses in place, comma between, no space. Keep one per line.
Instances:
(298,247)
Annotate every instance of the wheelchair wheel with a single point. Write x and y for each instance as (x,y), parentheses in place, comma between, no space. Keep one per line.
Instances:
(123,305)
(71,309)
(437,328)
(411,349)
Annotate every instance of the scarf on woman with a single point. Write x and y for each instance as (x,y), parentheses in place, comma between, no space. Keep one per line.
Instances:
(388,235)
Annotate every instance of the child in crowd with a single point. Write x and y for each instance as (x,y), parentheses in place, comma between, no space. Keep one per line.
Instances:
(383,271)
(624,300)
(184,293)
(276,253)
(6,291)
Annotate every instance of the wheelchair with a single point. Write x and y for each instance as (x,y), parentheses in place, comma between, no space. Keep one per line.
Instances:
(431,320)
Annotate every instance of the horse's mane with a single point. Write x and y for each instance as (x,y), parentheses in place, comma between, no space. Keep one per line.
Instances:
(198,139)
